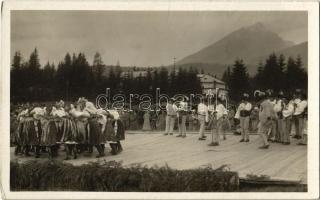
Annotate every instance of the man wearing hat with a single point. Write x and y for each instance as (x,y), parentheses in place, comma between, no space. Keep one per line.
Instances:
(182,117)
(221,118)
(278,127)
(171,109)
(266,113)
(245,111)
(299,108)
(287,111)
(203,117)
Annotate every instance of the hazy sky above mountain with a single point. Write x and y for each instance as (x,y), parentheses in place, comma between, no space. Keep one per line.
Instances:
(138,38)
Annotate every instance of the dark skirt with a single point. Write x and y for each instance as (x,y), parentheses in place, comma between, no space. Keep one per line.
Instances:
(110,133)
(28,135)
(49,133)
(95,132)
(18,136)
(69,131)
(81,133)
(59,124)
(121,130)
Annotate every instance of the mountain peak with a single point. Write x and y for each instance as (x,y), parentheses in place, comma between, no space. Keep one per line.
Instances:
(256,27)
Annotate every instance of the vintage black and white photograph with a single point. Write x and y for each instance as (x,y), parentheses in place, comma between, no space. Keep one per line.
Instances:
(159,101)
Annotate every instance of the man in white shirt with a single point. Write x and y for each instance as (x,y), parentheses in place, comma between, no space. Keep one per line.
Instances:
(182,117)
(220,117)
(244,110)
(278,127)
(287,112)
(300,104)
(171,109)
(203,117)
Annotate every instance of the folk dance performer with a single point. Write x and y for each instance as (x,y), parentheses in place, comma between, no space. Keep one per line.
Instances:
(182,117)
(69,132)
(114,131)
(96,122)
(80,116)
(244,110)
(20,135)
(171,109)
(49,136)
(278,107)
(203,117)
(287,111)
(221,117)
(300,104)
(266,114)
(38,114)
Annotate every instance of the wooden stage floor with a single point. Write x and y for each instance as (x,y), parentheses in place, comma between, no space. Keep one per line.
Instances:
(288,162)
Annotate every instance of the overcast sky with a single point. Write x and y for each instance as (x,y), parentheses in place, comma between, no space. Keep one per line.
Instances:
(138,38)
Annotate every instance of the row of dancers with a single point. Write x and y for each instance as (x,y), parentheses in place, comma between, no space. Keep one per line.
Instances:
(276,115)
(79,127)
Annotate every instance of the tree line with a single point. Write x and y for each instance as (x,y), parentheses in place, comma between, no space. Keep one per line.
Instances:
(276,73)
(74,77)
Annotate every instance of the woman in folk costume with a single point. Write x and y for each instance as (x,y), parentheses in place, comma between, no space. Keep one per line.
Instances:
(38,114)
(114,131)
(59,112)
(245,111)
(96,126)
(49,132)
(266,114)
(146,121)
(69,132)
(80,117)
(29,133)
(20,136)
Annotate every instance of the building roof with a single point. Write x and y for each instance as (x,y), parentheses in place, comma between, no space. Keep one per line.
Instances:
(206,78)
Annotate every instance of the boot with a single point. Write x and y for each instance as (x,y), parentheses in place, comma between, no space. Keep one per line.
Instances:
(68,151)
(27,149)
(37,153)
(99,149)
(17,150)
(119,147)
(113,148)
(103,147)
(90,148)
(74,150)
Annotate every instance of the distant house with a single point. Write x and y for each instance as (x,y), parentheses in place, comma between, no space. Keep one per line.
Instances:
(133,74)
(210,83)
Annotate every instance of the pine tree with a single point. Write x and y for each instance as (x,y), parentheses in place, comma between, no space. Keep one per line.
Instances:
(296,77)
(163,80)
(17,76)
(34,70)
(226,76)
(98,69)
(239,80)
(258,78)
